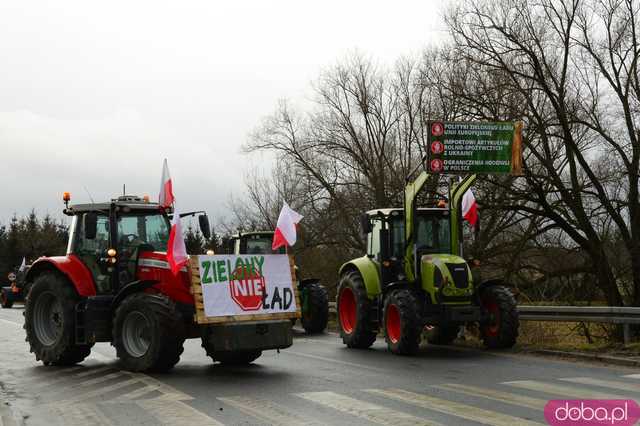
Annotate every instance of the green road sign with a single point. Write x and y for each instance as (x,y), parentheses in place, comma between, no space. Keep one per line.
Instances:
(475,147)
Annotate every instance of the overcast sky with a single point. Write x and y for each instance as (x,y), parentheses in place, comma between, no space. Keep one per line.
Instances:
(96,94)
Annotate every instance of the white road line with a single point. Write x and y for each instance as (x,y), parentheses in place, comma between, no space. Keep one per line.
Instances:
(495,395)
(632,376)
(101,379)
(612,384)
(82,414)
(137,393)
(176,413)
(364,410)
(335,361)
(66,376)
(565,392)
(95,393)
(10,322)
(267,411)
(452,408)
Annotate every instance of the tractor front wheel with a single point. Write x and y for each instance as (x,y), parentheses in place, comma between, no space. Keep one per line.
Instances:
(501,329)
(315,308)
(354,312)
(5,299)
(148,333)
(49,320)
(401,322)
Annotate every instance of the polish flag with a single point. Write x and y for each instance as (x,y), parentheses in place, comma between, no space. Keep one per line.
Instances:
(176,250)
(470,208)
(166,197)
(286,228)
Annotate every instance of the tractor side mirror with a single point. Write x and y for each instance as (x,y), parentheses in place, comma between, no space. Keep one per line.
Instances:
(90,225)
(205,228)
(365,223)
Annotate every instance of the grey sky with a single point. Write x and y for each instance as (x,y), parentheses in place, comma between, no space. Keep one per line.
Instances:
(96,94)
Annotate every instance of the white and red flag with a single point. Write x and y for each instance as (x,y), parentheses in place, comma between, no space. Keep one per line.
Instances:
(470,208)
(166,197)
(285,233)
(176,250)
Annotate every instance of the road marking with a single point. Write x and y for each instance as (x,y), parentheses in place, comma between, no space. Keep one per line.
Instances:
(632,376)
(364,410)
(452,408)
(267,411)
(10,322)
(67,375)
(496,395)
(335,361)
(101,379)
(82,414)
(613,384)
(176,413)
(129,396)
(564,391)
(96,393)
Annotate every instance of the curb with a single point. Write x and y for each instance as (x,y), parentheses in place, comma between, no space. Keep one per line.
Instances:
(615,360)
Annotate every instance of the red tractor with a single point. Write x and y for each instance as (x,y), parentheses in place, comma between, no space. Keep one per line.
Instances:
(114,285)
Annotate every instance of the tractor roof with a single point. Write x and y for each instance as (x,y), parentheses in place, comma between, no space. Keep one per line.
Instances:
(130,201)
(400,211)
(251,233)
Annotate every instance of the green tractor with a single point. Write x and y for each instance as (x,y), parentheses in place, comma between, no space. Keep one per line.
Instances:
(413,278)
(314,299)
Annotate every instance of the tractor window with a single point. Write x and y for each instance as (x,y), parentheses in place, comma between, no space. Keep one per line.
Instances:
(373,239)
(397,237)
(97,246)
(150,230)
(432,234)
(262,245)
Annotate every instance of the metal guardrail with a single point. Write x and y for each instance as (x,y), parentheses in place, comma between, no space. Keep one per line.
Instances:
(605,314)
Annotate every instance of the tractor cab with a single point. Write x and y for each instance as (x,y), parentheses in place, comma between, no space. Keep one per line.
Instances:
(255,242)
(125,241)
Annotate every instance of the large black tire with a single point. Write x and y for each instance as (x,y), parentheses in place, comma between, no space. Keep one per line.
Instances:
(148,333)
(501,331)
(315,309)
(443,334)
(49,320)
(354,312)
(402,326)
(232,357)
(5,300)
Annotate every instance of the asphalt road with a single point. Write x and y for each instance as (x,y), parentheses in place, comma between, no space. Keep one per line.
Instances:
(316,381)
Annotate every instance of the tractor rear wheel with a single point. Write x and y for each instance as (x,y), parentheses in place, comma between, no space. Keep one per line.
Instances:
(148,333)
(234,357)
(5,301)
(354,312)
(443,334)
(501,330)
(49,320)
(315,308)
(401,322)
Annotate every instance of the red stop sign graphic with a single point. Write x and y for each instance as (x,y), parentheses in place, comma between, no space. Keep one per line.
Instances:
(247,289)
(437,129)
(436,165)
(437,147)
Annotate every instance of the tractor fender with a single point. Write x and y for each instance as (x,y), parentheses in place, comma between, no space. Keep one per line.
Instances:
(307,281)
(132,287)
(388,288)
(369,272)
(71,267)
